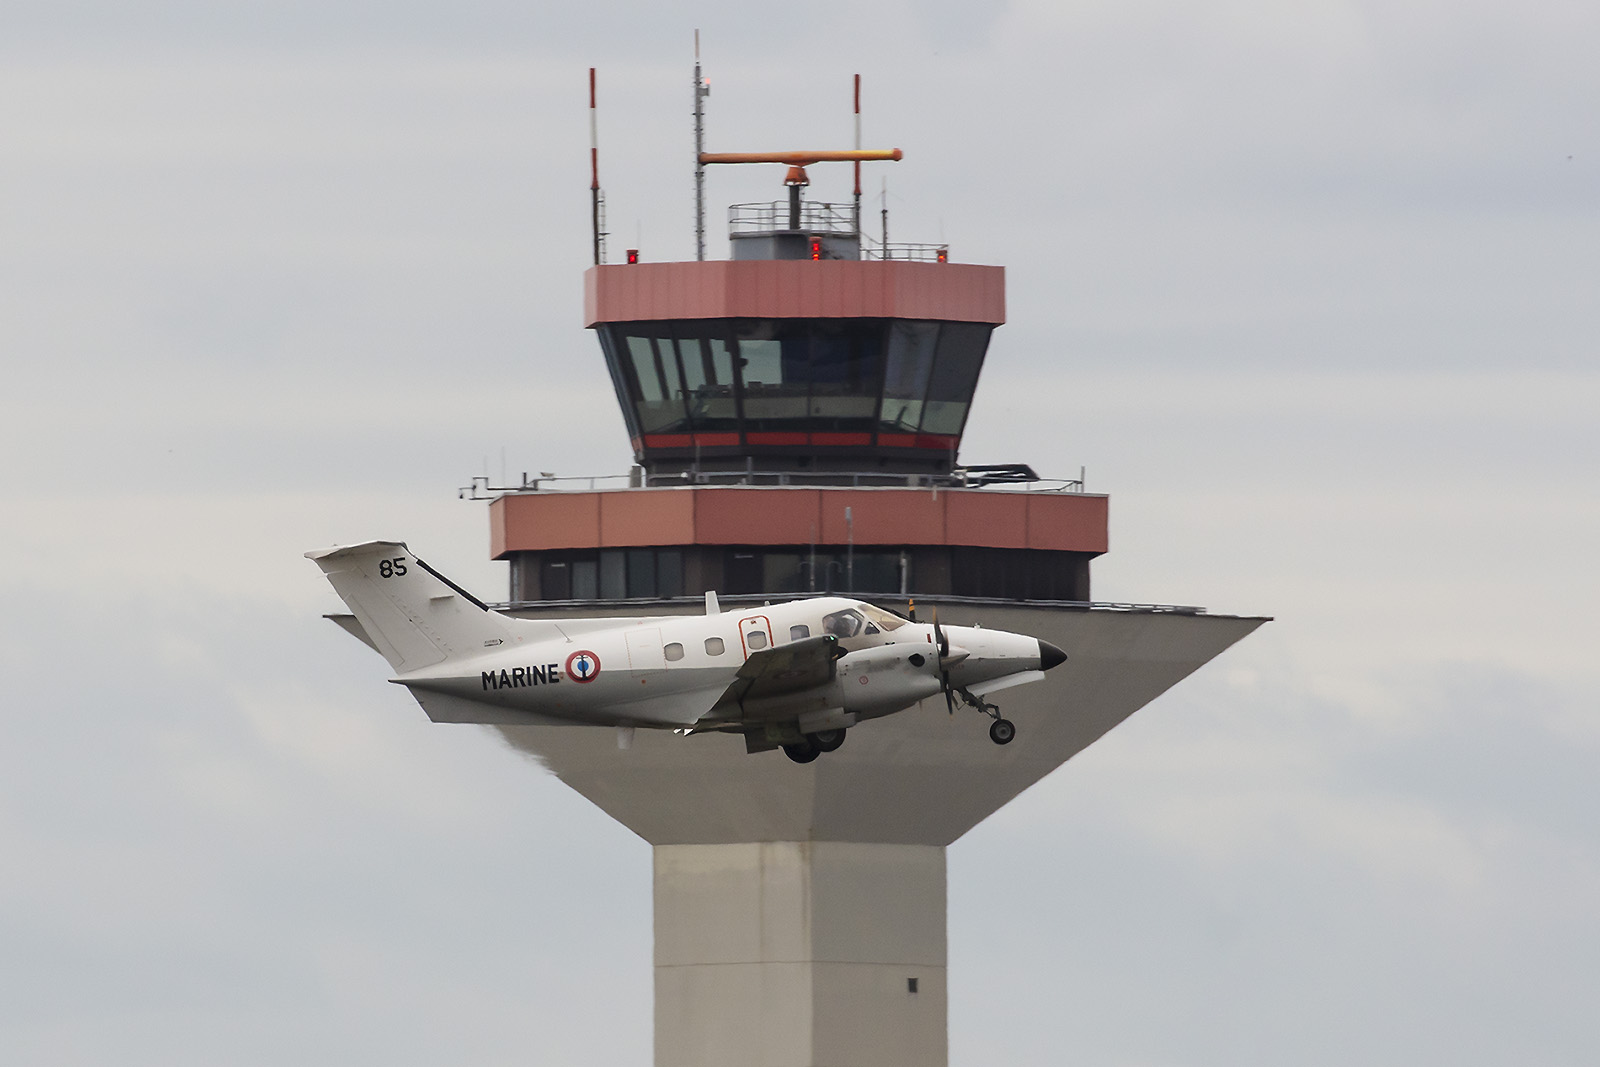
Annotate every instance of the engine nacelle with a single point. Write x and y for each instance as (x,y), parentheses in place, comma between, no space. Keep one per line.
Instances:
(886,678)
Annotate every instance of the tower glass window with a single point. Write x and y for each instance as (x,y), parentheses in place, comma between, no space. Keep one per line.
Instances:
(829,376)
(955,376)
(905,380)
(657,399)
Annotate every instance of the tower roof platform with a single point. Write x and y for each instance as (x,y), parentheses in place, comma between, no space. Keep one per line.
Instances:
(792,289)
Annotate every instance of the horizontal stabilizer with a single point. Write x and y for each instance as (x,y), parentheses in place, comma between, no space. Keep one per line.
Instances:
(352,626)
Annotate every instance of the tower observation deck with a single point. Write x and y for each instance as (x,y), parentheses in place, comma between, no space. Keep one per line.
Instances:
(796,415)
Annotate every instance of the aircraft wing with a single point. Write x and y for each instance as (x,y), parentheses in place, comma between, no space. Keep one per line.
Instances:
(791,668)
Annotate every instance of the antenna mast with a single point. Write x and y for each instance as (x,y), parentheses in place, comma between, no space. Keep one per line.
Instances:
(595,197)
(858,162)
(885,216)
(701,90)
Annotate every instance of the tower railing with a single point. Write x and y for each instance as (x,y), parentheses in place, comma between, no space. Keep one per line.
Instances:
(815,217)
(1007,476)
(820,217)
(918,253)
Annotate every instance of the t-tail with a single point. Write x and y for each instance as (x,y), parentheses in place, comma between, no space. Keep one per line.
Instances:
(413,615)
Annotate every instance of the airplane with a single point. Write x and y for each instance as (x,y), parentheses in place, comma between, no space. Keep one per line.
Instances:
(793,675)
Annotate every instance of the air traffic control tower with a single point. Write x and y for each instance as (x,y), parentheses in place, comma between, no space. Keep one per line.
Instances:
(796,415)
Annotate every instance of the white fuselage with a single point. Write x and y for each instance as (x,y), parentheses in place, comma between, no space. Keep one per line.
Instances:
(668,671)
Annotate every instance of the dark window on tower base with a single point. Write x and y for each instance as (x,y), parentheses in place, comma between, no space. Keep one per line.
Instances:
(1018,574)
(800,570)
(609,574)
(669,572)
(585,579)
(826,569)
(555,580)
(742,571)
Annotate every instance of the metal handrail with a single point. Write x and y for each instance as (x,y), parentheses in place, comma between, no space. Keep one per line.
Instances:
(481,488)
(815,217)
(819,217)
(918,253)
(880,598)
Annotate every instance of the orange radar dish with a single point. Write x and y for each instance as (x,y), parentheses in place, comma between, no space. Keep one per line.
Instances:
(804,159)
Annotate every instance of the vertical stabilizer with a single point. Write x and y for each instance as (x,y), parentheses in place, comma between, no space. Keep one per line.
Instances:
(413,615)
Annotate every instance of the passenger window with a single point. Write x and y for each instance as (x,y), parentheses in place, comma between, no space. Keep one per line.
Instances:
(674,652)
(799,633)
(714,646)
(756,639)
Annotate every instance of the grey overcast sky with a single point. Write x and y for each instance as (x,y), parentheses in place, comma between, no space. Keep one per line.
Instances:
(1307,288)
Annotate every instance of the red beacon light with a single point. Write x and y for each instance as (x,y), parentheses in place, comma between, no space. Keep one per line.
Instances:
(816,248)
(943,255)
(633,255)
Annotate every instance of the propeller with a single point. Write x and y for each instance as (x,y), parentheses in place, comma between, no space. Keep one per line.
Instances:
(942,644)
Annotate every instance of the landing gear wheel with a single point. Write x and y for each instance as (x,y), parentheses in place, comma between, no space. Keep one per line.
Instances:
(826,740)
(804,752)
(1001,731)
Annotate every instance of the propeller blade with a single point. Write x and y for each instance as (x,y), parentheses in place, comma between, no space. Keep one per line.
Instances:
(942,643)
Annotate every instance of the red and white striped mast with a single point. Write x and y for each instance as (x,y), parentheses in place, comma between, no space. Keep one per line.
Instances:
(594,174)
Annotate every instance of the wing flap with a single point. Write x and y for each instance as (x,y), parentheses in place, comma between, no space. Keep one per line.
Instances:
(796,667)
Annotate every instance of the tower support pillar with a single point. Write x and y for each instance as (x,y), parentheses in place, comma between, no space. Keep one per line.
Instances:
(800,954)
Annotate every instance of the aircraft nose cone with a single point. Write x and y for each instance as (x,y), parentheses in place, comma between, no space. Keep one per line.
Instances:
(1050,656)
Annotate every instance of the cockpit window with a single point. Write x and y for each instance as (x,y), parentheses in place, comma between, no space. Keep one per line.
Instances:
(885,620)
(846,623)
(865,619)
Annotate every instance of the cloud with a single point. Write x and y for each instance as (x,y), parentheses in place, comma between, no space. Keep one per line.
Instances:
(1240,873)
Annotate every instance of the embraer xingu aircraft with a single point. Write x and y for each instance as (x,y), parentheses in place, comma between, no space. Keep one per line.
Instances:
(794,676)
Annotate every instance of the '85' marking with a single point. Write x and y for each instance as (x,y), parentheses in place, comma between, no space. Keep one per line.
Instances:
(392,568)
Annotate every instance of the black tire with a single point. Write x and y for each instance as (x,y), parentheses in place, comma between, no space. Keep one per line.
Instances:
(804,752)
(826,740)
(1002,731)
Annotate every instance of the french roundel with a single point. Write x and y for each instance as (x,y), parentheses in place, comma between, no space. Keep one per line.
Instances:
(583,666)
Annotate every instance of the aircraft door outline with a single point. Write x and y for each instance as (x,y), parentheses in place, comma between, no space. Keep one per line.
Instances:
(645,651)
(754,624)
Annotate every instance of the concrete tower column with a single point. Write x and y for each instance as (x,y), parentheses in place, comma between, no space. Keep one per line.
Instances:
(794,953)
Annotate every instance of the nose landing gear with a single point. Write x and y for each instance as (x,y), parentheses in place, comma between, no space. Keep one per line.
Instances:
(1001,731)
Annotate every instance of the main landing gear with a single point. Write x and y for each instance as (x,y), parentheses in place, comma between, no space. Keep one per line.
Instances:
(814,745)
